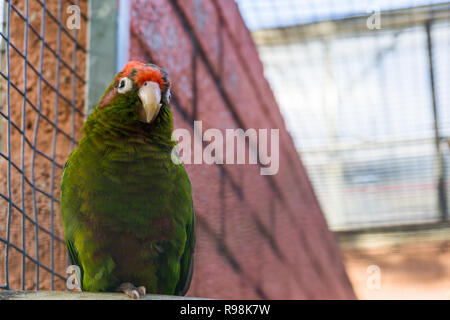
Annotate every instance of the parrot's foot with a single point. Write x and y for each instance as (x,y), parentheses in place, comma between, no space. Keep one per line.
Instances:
(130,290)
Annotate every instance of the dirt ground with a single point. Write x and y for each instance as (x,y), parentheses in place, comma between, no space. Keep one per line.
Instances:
(416,268)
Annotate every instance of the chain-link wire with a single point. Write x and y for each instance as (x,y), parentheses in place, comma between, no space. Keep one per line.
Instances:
(42,99)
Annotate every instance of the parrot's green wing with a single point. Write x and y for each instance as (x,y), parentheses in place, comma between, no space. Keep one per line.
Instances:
(187,260)
(70,246)
(73,254)
(72,251)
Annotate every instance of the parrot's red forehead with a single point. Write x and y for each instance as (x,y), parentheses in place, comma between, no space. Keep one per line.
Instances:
(144,73)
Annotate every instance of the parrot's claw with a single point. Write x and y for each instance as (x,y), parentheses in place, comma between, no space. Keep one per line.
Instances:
(75,289)
(130,290)
(141,290)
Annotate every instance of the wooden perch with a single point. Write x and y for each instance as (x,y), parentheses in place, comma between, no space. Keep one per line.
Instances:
(67,295)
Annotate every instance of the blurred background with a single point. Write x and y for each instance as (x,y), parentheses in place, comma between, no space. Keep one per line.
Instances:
(359,90)
(364,89)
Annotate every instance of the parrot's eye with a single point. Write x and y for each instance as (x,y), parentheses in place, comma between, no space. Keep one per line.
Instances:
(168,95)
(125,85)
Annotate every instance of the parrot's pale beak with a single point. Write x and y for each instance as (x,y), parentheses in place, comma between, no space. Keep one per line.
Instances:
(150,95)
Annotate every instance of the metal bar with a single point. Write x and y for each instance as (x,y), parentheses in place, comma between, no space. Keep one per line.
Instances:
(392,19)
(52,171)
(8,102)
(24,111)
(442,186)
(74,87)
(2,54)
(366,144)
(33,154)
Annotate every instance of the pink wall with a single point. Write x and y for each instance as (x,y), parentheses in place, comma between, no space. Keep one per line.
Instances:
(258,236)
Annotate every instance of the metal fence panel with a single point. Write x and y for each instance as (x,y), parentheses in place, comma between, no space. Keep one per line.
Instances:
(42,80)
(367,105)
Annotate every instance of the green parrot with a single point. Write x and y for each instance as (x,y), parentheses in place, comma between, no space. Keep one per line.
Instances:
(126,205)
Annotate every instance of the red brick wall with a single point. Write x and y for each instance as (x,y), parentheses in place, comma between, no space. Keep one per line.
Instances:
(258,236)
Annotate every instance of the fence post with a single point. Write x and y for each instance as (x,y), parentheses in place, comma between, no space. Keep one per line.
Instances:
(442,187)
(102,49)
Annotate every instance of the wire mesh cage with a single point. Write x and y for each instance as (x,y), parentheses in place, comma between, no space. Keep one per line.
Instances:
(364,89)
(43,61)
